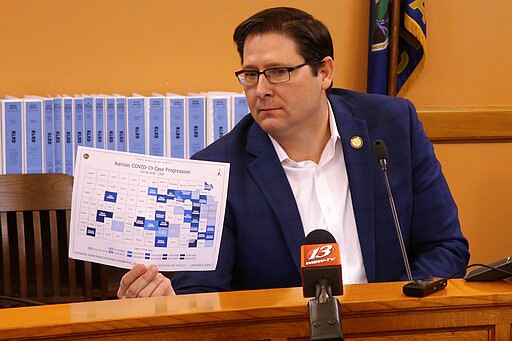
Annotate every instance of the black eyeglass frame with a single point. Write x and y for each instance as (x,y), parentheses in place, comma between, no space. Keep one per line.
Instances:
(264,72)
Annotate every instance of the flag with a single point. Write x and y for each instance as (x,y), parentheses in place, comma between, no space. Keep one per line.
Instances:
(411,46)
(413,39)
(378,54)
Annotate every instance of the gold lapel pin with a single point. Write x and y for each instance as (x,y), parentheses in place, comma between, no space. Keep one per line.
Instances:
(356,142)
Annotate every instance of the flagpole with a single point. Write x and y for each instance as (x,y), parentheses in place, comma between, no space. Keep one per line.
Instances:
(393,47)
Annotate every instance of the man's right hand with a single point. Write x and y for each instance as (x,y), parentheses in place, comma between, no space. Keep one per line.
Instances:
(142,281)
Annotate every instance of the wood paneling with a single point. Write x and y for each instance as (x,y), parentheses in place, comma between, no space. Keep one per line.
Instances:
(464,310)
(473,124)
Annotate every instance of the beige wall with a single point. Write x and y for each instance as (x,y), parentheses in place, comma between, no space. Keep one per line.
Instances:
(124,46)
(467,65)
(469,48)
(480,177)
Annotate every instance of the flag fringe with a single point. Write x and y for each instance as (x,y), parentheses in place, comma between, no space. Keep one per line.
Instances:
(412,26)
(414,75)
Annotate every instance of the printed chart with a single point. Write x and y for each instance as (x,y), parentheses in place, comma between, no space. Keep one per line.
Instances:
(131,208)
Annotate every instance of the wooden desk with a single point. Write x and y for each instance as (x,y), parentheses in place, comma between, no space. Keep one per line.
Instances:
(464,310)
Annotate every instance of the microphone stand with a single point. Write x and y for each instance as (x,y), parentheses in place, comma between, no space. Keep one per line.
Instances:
(414,288)
(324,314)
(384,169)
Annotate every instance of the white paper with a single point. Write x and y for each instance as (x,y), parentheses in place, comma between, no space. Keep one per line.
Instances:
(132,208)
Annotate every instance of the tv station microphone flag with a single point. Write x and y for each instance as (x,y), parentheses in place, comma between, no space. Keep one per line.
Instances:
(411,45)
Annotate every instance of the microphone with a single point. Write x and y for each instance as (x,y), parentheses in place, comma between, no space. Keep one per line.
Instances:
(321,279)
(414,288)
(320,256)
(380,150)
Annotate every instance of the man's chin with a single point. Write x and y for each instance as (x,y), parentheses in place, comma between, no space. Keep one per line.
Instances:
(270,126)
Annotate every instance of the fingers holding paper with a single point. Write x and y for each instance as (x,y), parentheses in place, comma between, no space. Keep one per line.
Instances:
(142,281)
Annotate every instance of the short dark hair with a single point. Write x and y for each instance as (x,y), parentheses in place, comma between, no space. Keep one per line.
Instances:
(312,37)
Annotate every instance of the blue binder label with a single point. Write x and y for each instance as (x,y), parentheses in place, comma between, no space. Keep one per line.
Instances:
(68,136)
(99,106)
(110,104)
(13,142)
(121,124)
(196,123)
(136,126)
(33,136)
(220,117)
(48,133)
(79,123)
(177,127)
(156,126)
(89,121)
(240,108)
(57,130)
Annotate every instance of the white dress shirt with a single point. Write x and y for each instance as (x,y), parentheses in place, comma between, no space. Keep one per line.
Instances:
(323,197)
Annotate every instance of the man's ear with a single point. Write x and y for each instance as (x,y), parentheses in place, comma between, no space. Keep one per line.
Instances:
(326,72)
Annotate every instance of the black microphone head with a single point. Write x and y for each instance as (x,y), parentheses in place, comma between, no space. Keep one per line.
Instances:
(380,150)
(319,236)
(320,259)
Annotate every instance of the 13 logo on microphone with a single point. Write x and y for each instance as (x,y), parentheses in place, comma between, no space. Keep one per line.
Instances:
(320,254)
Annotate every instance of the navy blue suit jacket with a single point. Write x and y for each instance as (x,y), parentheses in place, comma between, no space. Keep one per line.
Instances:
(262,235)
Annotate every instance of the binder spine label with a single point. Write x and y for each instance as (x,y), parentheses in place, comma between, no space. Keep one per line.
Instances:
(12,137)
(156,126)
(240,108)
(99,108)
(110,120)
(69,155)
(177,127)
(89,121)
(79,123)
(136,125)
(220,118)
(57,129)
(48,136)
(33,136)
(121,124)
(196,122)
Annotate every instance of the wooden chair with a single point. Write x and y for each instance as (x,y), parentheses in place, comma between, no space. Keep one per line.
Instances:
(35,211)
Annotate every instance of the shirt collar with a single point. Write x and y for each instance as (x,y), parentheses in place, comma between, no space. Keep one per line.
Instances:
(329,148)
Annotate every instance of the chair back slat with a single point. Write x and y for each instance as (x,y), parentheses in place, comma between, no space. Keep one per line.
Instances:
(54,240)
(22,255)
(6,255)
(104,282)
(71,262)
(38,245)
(88,280)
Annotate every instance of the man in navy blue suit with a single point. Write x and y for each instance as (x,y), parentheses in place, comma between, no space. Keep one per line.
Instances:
(303,160)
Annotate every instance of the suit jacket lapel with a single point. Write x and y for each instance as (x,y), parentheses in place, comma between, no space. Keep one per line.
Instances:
(271,179)
(269,175)
(360,165)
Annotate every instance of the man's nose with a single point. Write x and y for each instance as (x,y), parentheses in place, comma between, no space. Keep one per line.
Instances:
(264,87)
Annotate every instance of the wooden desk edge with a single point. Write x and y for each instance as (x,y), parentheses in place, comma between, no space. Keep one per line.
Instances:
(250,306)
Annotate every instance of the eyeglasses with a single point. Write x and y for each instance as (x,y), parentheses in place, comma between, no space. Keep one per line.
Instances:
(275,75)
